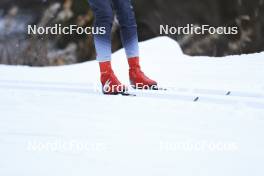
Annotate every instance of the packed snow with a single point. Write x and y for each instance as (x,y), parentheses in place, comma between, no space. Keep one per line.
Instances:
(55,121)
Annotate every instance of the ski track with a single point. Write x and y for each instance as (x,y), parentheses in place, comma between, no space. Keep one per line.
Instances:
(249,99)
(205,91)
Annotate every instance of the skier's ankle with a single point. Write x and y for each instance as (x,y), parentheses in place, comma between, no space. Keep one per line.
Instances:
(133,63)
(105,67)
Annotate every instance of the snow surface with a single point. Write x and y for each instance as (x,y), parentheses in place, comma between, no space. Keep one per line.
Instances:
(53,122)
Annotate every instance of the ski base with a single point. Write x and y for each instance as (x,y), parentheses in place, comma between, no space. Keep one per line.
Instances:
(122,94)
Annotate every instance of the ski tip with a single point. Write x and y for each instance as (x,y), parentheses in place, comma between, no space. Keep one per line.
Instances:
(196,99)
(228,93)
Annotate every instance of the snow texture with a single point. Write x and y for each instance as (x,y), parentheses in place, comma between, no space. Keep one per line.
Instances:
(53,121)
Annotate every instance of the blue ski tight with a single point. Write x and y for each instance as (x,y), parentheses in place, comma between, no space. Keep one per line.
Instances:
(103,12)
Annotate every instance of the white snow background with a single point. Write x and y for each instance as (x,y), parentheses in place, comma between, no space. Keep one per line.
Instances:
(53,122)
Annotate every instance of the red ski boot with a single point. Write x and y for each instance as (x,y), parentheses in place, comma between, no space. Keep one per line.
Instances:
(138,79)
(110,84)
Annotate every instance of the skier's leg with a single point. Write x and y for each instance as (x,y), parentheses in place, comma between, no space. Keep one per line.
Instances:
(127,21)
(103,13)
